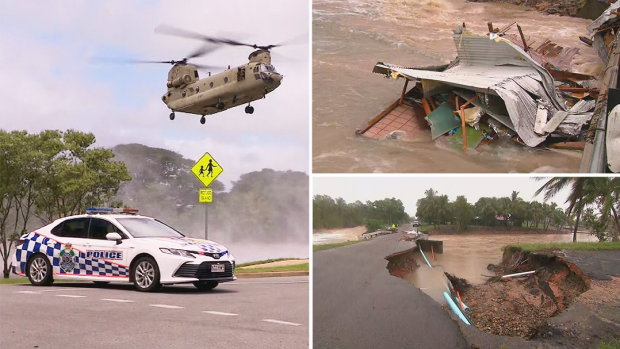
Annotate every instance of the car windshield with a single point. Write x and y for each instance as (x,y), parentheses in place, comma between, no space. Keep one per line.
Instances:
(148,228)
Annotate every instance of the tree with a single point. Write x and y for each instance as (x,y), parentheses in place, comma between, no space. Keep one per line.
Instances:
(462,213)
(575,197)
(50,175)
(373,225)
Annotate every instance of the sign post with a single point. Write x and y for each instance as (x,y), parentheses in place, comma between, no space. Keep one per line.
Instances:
(205,196)
(206,170)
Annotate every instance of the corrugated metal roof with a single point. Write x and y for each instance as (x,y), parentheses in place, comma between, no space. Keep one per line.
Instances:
(499,67)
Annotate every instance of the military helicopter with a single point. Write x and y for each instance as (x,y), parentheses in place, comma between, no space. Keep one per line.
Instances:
(243,84)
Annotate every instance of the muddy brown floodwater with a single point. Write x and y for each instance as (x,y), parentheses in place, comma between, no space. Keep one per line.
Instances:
(350,36)
(467,256)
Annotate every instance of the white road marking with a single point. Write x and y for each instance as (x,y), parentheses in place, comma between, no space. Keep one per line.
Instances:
(219,313)
(70,296)
(166,306)
(117,300)
(28,292)
(281,322)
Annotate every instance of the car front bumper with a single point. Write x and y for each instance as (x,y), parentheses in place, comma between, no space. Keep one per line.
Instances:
(177,270)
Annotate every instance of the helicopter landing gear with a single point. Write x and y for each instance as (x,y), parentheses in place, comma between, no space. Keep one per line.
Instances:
(219,105)
(249,109)
(172,116)
(203,120)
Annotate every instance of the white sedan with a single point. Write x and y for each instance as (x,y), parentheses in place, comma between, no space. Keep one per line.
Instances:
(107,245)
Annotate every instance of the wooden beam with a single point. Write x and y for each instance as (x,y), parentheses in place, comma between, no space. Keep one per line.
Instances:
(522,38)
(402,95)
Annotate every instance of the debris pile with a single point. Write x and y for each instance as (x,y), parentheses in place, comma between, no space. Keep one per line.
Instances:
(518,306)
(605,30)
(500,85)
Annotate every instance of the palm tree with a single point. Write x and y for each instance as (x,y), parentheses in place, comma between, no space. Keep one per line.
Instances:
(575,198)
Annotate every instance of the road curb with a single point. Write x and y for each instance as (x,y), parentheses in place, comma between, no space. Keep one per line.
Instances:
(272,274)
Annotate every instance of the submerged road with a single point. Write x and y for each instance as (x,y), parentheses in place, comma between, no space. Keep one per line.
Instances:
(250,313)
(358,304)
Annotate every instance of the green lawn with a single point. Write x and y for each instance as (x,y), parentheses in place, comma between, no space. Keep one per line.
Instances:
(24,280)
(316,248)
(265,261)
(613,344)
(294,267)
(582,246)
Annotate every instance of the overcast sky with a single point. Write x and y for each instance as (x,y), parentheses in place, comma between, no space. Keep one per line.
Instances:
(49,79)
(409,190)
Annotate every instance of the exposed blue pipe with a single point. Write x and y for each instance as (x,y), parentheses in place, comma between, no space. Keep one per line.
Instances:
(455,309)
(422,252)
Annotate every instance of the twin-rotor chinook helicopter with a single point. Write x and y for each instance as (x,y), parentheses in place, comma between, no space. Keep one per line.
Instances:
(188,93)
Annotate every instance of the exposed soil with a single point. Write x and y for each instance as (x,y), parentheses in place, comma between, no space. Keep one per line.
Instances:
(402,263)
(519,306)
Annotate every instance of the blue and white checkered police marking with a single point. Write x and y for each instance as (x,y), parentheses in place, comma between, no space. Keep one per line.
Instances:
(206,246)
(67,263)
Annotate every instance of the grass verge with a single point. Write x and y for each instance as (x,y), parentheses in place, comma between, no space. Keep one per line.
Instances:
(295,267)
(581,246)
(613,344)
(24,280)
(316,248)
(265,261)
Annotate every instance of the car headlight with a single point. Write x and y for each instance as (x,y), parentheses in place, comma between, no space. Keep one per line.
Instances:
(177,252)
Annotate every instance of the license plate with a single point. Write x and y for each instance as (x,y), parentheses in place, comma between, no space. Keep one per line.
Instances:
(217,268)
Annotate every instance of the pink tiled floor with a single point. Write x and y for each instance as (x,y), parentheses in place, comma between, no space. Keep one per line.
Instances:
(401,118)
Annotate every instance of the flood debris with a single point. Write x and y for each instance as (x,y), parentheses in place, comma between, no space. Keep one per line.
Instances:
(519,306)
(499,85)
(605,31)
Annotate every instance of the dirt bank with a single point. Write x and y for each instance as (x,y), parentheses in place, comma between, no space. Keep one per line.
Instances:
(400,264)
(555,7)
(450,230)
(520,306)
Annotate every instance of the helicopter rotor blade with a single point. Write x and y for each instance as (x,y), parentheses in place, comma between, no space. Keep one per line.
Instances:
(130,61)
(168,30)
(206,49)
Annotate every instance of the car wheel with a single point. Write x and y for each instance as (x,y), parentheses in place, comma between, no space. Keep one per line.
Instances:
(40,270)
(206,285)
(146,275)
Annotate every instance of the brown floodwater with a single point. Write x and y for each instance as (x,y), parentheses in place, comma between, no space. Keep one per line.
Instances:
(350,36)
(467,256)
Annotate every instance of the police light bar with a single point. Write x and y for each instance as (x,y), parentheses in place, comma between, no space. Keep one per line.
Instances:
(108,210)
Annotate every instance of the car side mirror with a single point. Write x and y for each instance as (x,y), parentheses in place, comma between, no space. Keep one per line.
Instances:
(114,236)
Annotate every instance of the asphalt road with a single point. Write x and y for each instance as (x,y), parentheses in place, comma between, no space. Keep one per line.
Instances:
(600,265)
(358,304)
(249,313)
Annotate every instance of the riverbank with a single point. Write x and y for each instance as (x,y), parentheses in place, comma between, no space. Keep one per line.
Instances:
(574,8)
(482,230)
(329,236)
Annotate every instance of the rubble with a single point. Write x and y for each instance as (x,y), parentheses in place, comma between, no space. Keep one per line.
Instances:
(514,89)
(519,307)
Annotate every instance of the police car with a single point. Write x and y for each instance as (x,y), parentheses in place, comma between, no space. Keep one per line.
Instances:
(109,245)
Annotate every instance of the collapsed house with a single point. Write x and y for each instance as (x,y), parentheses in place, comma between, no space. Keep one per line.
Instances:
(508,89)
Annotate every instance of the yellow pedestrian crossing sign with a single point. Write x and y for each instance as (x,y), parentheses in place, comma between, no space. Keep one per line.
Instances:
(207,169)
(205,195)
